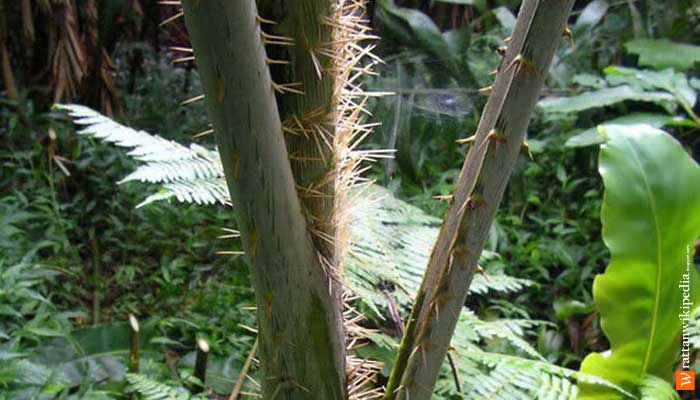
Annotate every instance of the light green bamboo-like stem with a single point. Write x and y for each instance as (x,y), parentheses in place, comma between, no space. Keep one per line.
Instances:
(301,342)
(485,173)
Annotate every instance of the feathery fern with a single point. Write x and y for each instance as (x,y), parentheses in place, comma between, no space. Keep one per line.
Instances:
(490,375)
(391,242)
(151,389)
(191,174)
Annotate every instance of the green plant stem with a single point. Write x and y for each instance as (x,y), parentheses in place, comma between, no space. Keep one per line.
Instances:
(301,340)
(200,365)
(134,360)
(687,107)
(485,173)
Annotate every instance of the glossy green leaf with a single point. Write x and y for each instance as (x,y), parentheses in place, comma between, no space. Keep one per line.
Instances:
(668,80)
(650,216)
(655,388)
(415,28)
(96,353)
(662,53)
(602,98)
(593,135)
(589,80)
(565,308)
(222,371)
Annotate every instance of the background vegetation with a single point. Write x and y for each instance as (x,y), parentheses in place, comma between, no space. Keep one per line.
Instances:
(76,257)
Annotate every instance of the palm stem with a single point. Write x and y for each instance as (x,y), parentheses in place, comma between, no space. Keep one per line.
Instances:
(297,313)
(484,176)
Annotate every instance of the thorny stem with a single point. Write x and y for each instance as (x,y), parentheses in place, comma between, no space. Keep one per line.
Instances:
(485,173)
(297,314)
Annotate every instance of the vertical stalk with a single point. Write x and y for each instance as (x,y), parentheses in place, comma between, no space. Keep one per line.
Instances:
(8,75)
(134,359)
(485,173)
(28,32)
(200,365)
(301,342)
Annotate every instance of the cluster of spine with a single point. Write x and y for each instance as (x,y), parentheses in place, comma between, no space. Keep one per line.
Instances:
(347,55)
(332,134)
(361,373)
(323,108)
(350,61)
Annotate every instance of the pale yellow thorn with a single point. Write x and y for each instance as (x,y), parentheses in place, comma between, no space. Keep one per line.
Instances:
(183,59)
(469,140)
(261,20)
(192,100)
(230,253)
(173,18)
(203,133)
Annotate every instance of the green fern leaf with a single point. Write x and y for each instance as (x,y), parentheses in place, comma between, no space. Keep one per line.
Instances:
(511,377)
(399,237)
(150,389)
(191,174)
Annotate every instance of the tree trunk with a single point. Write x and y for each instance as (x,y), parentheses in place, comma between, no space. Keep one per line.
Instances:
(485,173)
(301,341)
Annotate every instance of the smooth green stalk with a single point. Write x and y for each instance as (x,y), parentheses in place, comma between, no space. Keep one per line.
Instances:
(301,341)
(485,174)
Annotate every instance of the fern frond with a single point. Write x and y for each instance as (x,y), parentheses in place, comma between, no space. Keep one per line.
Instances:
(498,283)
(511,377)
(391,243)
(497,376)
(204,166)
(150,389)
(145,147)
(191,174)
(199,191)
(512,331)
